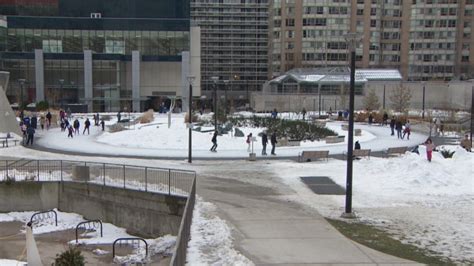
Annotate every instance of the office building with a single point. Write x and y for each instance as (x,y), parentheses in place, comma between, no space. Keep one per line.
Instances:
(108,55)
(424,39)
(234,46)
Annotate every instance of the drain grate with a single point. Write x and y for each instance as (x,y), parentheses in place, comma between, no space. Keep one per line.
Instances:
(323,185)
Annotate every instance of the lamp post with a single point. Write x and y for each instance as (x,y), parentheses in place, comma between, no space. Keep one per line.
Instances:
(423,103)
(190,117)
(383,102)
(472,110)
(226,82)
(352,40)
(319,105)
(61,82)
(22,84)
(215,79)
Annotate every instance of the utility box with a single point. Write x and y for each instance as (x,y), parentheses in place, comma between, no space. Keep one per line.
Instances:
(81,173)
(252,156)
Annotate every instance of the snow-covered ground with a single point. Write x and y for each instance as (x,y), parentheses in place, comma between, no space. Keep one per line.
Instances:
(162,245)
(158,140)
(426,204)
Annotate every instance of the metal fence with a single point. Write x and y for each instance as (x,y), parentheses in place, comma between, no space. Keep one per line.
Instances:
(179,255)
(149,179)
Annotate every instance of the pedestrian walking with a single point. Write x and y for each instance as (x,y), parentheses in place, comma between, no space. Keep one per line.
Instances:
(30,131)
(407,130)
(102,124)
(42,121)
(357,145)
(437,123)
(264,143)
(249,141)
(98,119)
(34,121)
(392,125)
(214,142)
(384,119)
(274,113)
(371,118)
(48,118)
(429,149)
(304,113)
(87,124)
(273,142)
(76,125)
(70,131)
(119,116)
(399,127)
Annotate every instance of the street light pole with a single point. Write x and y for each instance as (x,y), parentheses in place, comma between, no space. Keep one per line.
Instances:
(190,118)
(215,79)
(383,105)
(61,82)
(352,39)
(22,83)
(319,105)
(423,104)
(226,82)
(472,110)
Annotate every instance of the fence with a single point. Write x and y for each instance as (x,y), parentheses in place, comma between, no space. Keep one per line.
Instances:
(149,179)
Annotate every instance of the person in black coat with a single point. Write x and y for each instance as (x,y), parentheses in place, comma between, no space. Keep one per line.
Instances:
(214,142)
(34,122)
(392,125)
(102,124)
(30,132)
(87,124)
(273,141)
(384,119)
(264,143)
(48,117)
(357,145)
(399,127)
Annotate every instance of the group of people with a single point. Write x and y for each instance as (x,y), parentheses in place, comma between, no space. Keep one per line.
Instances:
(403,129)
(249,140)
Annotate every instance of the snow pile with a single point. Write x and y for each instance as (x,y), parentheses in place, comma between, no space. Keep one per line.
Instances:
(161,246)
(32,175)
(428,204)
(211,239)
(5,262)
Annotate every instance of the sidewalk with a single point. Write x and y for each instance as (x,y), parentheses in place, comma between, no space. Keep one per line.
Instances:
(270,231)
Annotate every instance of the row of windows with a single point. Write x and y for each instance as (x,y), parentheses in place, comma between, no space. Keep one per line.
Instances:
(76,41)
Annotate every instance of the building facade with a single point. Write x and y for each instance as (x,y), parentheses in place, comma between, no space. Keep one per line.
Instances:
(424,39)
(234,45)
(109,55)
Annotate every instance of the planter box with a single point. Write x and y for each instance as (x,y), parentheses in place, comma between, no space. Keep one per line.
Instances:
(334,139)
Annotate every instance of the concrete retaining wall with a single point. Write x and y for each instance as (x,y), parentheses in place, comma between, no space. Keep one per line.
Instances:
(28,196)
(142,213)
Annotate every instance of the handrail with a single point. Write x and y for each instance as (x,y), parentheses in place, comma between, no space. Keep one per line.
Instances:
(43,212)
(93,225)
(127,239)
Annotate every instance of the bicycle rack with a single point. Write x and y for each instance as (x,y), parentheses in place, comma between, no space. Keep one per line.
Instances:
(43,216)
(133,240)
(88,225)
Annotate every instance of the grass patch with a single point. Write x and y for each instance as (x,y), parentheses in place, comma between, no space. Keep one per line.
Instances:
(382,241)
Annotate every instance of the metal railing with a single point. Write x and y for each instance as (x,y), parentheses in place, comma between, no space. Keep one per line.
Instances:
(179,255)
(149,179)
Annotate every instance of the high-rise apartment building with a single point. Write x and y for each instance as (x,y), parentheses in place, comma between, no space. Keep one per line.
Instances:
(234,44)
(424,39)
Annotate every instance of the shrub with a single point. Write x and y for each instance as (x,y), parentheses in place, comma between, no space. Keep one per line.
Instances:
(447,153)
(147,117)
(70,257)
(186,118)
(42,106)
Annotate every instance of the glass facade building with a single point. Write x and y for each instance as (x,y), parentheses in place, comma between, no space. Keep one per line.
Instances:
(56,35)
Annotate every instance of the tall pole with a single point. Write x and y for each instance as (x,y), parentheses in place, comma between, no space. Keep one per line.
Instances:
(423,104)
(383,105)
(190,122)
(472,110)
(352,39)
(319,105)
(22,82)
(215,107)
(190,118)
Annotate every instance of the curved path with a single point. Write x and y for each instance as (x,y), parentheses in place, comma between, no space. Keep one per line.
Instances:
(56,141)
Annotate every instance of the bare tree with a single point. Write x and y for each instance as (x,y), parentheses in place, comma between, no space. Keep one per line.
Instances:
(400,98)
(371,101)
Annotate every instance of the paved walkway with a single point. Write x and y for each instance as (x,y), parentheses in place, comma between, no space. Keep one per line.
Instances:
(273,231)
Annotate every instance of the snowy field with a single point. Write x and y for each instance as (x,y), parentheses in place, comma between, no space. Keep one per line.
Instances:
(157,140)
(426,204)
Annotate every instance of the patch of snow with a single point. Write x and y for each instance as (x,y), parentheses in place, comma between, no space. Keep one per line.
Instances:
(211,239)
(5,262)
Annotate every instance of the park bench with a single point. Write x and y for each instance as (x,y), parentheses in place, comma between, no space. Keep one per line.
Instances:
(395,151)
(4,141)
(334,139)
(360,153)
(308,156)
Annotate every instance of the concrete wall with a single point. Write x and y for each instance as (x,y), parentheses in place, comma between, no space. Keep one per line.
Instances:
(29,196)
(142,213)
